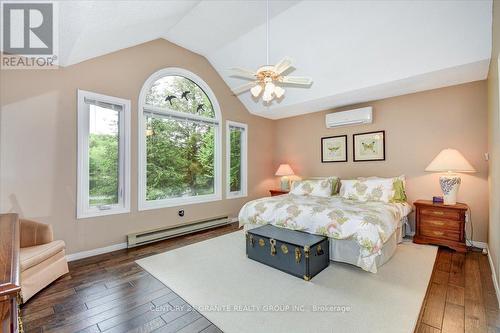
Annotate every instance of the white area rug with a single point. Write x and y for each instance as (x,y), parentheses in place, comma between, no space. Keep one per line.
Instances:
(240,295)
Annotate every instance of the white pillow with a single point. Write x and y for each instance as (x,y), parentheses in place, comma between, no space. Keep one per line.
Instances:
(314,187)
(402,178)
(379,189)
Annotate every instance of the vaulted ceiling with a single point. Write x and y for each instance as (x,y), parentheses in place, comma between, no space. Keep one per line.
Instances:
(355,51)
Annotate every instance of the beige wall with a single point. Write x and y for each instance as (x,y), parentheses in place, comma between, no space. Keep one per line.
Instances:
(417,127)
(494,144)
(38,142)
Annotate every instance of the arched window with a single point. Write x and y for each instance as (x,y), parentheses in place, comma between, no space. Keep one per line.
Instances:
(179,141)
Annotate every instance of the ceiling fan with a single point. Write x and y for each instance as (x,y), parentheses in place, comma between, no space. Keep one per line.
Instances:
(268,78)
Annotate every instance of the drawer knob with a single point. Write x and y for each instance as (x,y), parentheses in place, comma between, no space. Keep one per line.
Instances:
(438,233)
(438,213)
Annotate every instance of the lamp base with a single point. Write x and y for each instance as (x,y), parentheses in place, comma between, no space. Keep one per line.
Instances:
(450,185)
(285,183)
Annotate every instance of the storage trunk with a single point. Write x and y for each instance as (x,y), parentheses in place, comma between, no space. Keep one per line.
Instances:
(294,252)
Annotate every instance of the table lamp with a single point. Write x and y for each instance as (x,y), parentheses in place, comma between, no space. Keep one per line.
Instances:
(450,161)
(284,170)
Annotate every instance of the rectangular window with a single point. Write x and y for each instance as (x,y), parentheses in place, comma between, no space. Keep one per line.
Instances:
(236,152)
(103,155)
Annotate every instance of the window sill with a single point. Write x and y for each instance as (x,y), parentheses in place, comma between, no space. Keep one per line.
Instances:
(236,196)
(167,203)
(99,213)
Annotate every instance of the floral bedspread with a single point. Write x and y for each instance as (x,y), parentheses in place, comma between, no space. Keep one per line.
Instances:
(369,223)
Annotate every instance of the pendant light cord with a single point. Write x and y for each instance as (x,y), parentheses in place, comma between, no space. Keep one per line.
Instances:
(267,32)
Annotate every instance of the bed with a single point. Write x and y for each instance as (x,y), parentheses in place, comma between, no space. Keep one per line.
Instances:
(364,234)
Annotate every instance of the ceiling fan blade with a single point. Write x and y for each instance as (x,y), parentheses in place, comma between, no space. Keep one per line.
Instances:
(283,65)
(297,80)
(245,87)
(242,72)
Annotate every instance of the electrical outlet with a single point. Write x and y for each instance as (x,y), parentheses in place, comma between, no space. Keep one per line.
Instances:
(181,213)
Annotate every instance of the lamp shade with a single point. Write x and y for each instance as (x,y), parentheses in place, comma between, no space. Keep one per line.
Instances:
(284,170)
(450,160)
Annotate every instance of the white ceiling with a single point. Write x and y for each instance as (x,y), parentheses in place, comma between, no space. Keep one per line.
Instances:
(355,51)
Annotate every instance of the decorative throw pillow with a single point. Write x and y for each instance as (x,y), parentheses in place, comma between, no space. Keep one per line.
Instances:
(367,189)
(314,187)
(335,185)
(399,191)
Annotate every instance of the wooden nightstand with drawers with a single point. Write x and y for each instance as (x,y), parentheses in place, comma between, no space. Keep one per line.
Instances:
(440,224)
(277,192)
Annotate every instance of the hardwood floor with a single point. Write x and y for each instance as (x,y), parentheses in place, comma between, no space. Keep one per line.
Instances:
(461,296)
(111,293)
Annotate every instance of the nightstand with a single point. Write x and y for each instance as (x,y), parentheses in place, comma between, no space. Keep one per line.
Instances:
(277,192)
(440,224)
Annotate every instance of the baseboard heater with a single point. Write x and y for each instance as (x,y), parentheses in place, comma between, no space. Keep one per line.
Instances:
(155,235)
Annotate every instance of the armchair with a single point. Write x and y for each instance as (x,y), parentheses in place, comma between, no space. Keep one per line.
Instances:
(42,258)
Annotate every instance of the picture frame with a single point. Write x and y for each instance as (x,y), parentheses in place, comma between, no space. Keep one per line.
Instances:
(334,149)
(369,146)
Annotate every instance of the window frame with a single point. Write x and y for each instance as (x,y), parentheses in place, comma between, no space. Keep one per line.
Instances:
(84,210)
(144,204)
(244,160)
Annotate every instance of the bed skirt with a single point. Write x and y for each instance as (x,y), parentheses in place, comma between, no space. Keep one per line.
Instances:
(347,250)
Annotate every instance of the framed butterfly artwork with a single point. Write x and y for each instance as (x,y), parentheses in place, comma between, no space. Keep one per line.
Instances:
(334,149)
(369,146)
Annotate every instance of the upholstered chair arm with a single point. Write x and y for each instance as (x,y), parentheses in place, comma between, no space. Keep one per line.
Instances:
(35,233)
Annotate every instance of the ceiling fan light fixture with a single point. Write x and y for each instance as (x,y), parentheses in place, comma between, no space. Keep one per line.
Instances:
(256,90)
(268,96)
(269,87)
(278,91)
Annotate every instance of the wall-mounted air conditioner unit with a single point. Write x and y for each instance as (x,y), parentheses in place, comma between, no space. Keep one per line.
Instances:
(351,117)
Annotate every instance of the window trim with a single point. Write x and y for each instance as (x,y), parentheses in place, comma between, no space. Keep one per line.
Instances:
(83,209)
(144,204)
(244,161)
